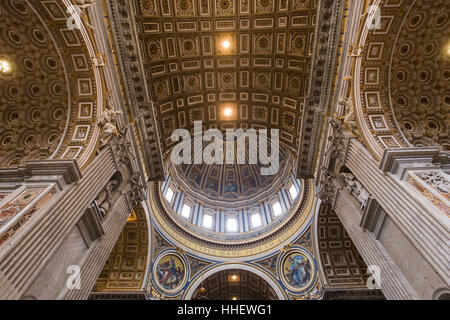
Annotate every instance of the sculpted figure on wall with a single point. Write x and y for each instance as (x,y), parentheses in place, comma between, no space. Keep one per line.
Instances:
(85,3)
(106,196)
(107,121)
(349,118)
(327,186)
(137,194)
(356,188)
(438,180)
(78,11)
(124,152)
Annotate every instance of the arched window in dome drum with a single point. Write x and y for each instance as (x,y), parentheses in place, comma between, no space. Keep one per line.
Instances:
(186,211)
(207,221)
(255,220)
(277,210)
(293,192)
(169,194)
(232,224)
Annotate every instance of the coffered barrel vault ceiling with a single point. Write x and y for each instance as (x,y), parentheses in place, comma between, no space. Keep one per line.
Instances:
(125,268)
(248,286)
(262,75)
(402,83)
(420,75)
(50,99)
(33,98)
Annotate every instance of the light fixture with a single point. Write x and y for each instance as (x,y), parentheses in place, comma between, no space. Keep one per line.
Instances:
(4,66)
(233,278)
(234,298)
(225,44)
(132,217)
(227,112)
(202,293)
(447,49)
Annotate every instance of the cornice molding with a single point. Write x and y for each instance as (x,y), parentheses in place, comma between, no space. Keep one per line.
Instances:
(122,21)
(325,53)
(50,169)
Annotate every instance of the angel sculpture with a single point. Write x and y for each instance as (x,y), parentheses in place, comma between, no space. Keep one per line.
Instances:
(107,121)
(85,3)
(77,11)
(105,197)
(349,116)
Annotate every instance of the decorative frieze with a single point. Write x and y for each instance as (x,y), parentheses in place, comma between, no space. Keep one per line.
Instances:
(316,104)
(142,111)
(440,181)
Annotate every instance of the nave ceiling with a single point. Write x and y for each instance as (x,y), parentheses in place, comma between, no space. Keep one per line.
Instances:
(200,57)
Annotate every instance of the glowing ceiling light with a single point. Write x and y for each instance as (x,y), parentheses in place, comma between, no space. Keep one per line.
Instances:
(207,221)
(225,44)
(4,66)
(447,49)
(233,278)
(227,112)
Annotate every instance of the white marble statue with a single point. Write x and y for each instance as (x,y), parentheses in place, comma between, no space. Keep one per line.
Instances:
(105,197)
(78,10)
(85,3)
(438,180)
(107,121)
(356,188)
(349,113)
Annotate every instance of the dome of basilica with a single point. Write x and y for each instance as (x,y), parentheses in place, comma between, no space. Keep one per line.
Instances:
(230,185)
(230,206)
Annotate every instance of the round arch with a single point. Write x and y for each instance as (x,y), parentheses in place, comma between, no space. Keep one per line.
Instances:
(442,294)
(194,285)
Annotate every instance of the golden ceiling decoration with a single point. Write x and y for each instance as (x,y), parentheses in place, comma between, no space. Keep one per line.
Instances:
(235,285)
(127,263)
(50,98)
(420,75)
(34,94)
(402,76)
(254,56)
(342,265)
